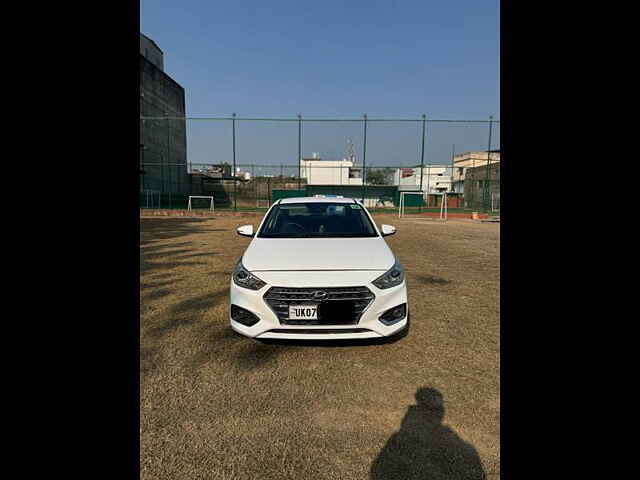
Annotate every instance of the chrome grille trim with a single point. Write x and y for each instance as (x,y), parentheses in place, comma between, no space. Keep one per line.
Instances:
(279,299)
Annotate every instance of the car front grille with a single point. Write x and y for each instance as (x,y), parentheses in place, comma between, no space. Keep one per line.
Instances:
(357,299)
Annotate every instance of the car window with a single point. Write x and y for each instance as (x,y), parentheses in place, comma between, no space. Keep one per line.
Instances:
(322,219)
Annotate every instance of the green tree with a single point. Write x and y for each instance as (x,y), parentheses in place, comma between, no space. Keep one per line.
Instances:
(380,176)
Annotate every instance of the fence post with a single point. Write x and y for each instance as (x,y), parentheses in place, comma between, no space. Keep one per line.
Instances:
(428,183)
(233,174)
(142,148)
(424,125)
(364,161)
(485,192)
(161,181)
(299,147)
(166,114)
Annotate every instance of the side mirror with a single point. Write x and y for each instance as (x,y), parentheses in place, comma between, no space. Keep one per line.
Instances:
(388,230)
(245,230)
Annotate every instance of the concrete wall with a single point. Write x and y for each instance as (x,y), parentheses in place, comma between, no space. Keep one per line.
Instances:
(151,52)
(164,141)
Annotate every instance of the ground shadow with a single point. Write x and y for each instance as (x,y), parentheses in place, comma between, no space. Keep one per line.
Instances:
(200,254)
(168,228)
(147,248)
(425,448)
(186,313)
(147,286)
(360,342)
(218,339)
(257,355)
(155,294)
(431,280)
(364,342)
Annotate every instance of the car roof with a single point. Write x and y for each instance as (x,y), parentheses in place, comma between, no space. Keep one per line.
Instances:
(317,200)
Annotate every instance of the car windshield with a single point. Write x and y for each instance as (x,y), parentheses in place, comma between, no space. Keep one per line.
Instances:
(322,219)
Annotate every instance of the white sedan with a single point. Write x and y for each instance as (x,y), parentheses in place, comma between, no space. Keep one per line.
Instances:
(318,269)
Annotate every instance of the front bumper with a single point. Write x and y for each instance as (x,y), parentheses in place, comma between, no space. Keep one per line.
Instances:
(270,327)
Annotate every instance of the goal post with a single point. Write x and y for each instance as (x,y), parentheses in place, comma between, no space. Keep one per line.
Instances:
(402,201)
(189,206)
(444,207)
(495,202)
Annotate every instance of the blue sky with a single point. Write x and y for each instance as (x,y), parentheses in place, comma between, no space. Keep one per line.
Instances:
(332,58)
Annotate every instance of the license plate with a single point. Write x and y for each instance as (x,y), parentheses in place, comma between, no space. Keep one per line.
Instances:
(303,312)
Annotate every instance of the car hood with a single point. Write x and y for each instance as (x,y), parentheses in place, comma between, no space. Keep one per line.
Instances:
(289,254)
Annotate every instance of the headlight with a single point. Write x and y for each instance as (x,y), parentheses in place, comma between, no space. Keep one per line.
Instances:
(392,278)
(243,278)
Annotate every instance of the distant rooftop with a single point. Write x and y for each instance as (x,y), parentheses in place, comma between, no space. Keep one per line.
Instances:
(476,152)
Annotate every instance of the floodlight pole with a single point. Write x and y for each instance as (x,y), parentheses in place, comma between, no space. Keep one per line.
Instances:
(364,160)
(142,149)
(485,191)
(424,125)
(233,174)
(299,148)
(166,114)
(428,182)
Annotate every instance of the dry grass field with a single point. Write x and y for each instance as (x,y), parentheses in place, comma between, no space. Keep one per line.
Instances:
(220,406)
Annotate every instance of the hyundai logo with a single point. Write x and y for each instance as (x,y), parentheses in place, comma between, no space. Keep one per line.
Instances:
(319,295)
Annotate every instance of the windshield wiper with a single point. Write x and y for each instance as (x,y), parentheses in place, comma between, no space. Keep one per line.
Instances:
(286,235)
(340,234)
(320,235)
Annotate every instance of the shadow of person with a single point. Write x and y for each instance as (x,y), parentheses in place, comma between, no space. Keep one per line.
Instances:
(426,449)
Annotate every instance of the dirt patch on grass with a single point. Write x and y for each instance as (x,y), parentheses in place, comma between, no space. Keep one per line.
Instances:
(217,405)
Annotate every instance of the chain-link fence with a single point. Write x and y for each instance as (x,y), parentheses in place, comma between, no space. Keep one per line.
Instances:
(248,163)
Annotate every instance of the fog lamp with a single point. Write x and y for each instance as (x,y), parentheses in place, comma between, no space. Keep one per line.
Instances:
(243,316)
(394,315)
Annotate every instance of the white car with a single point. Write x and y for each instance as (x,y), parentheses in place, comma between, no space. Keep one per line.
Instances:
(317,268)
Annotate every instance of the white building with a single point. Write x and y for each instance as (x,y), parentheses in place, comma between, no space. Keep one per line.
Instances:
(243,175)
(330,172)
(435,179)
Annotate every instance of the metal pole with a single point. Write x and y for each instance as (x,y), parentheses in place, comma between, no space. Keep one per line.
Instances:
(485,192)
(143,149)
(299,147)
(424,125)
(233,174)
(364,160)
(428,181)
(472,199)
(453,156)
(162,182)
(168,154)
